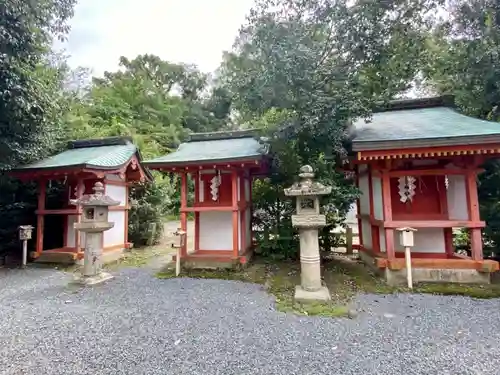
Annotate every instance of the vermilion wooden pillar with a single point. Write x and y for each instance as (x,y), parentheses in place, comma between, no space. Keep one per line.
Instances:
(183,210)
(250,204)
(358,209)
(473,208)
(374,229)
(80,190)
(42,191)
(386,197)
(127,204)
(234,191)
(196,214)
(243,212)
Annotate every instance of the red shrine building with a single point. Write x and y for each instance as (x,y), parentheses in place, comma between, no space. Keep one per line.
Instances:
(116,162)
(417,163)
(216,172)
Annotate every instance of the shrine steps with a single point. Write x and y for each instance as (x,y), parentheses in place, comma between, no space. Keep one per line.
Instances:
(68,256)
(59,257)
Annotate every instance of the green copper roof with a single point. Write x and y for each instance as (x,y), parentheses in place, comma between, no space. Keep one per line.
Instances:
(436,125)
(106,153)
(214,147)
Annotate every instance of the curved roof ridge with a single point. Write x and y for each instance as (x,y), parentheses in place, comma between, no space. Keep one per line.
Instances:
(423,127)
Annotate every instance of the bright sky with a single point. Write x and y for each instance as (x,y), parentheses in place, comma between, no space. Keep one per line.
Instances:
(190,31)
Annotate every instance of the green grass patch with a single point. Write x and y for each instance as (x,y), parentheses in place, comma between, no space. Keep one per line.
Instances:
(140,257)
(344,278)
(474,291)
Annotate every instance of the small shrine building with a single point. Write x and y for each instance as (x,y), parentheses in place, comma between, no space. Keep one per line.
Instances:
(417,163)
(114,161)
(216,171)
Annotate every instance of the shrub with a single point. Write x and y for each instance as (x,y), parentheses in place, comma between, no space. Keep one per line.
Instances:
(150,204)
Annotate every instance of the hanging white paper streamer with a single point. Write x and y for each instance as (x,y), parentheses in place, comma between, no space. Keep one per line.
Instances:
(402,189)
(406,188)
(214,187)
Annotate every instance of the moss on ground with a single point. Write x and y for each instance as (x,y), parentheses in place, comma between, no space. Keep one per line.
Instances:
(140,257)
(344,278)
(474,291)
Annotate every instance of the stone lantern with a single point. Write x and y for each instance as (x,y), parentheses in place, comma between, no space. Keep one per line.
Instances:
(94,222)
(308,220)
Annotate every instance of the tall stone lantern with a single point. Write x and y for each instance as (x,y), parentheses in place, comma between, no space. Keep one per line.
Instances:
(94,222)
(309,220)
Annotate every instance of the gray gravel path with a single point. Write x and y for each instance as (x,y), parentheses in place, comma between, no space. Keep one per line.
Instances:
(136,324)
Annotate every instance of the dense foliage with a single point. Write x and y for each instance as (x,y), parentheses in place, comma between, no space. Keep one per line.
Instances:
(157,103)
(30,100)
(302,71)
(463,60)
(44,104)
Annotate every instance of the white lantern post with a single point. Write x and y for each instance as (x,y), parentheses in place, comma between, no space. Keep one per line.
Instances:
(25,234)
(406,240)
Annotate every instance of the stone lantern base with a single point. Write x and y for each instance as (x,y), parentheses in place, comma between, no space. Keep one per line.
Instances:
(93,280)
(302,295)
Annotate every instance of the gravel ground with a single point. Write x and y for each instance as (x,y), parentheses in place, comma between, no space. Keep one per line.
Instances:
(136,324)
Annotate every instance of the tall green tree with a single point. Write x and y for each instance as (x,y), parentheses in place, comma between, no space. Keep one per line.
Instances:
(463,60)
(303,70)
(157,103)
(29,85)
(31,99)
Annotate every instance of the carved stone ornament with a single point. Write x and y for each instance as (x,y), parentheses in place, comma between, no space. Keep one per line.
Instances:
(96,199)
(308,221)
(307,186)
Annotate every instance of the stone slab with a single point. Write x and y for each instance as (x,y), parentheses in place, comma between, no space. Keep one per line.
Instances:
(432,275)
(322,294)
(93,280)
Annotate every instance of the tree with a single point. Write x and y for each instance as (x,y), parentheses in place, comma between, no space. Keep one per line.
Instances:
(303,70)
(31,100)
(157,103)
(463,60)
(29,85)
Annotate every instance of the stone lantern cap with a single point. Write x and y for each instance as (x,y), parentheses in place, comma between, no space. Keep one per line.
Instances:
(96,199)
(307,186)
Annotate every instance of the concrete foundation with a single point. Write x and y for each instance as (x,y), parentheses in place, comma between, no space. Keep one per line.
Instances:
(209,264)
(398,277)
(321,294)
(461,276)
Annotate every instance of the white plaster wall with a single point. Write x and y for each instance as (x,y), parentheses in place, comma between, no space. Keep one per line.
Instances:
(377,198)
(72,233)
(382,240)
(364,199)
(426,240)
(118,193)
(115,236)
(216,230)
(457,198)
(366,230)
(70,230)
